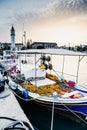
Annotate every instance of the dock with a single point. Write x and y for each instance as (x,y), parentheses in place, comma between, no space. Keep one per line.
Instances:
(10,110)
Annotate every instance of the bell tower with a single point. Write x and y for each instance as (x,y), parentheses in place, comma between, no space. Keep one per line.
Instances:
(12,39)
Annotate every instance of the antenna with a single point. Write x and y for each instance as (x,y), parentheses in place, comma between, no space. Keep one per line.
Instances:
(23,34)
(24,38)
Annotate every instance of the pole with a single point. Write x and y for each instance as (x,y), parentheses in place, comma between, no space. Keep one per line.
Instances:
(20,62)
(63,64)
(78,70)
(35,71)
(52,116)
(25,43)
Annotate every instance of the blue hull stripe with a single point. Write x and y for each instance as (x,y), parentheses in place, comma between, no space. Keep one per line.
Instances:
(78,108)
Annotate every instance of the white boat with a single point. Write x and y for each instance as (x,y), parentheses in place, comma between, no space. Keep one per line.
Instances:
(50,90)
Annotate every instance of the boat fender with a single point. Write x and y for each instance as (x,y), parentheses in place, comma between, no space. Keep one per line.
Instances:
(25,94)
(71,83)
(50,66)
(48,58)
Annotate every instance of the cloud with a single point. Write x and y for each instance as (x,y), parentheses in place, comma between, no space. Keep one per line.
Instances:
(61,9)
(31,12)
(65,7)
(43,15)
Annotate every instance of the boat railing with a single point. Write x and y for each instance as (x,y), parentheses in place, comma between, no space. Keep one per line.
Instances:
(65,73)
(59,74)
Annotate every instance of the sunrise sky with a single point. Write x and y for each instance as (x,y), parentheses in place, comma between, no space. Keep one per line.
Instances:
(60,21)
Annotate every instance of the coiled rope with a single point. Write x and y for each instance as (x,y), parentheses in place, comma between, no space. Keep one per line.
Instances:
(14,125)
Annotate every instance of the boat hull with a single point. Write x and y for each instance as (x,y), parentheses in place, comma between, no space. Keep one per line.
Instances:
(75,111)
(77,108)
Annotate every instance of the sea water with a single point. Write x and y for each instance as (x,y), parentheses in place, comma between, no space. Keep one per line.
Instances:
(41,118)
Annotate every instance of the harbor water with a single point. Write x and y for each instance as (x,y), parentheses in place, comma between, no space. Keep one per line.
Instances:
(42,118)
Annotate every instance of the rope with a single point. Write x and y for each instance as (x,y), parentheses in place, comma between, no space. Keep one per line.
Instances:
(83,87)
(55,72)
(64,73)
(15,124)
(74,113)
(52,119)
(23,98)
(24,124)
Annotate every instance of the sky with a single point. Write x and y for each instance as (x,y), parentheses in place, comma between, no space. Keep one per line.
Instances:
(60,21)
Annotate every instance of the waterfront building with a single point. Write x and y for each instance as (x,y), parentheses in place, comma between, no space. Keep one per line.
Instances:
(38,45)
(7,46)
